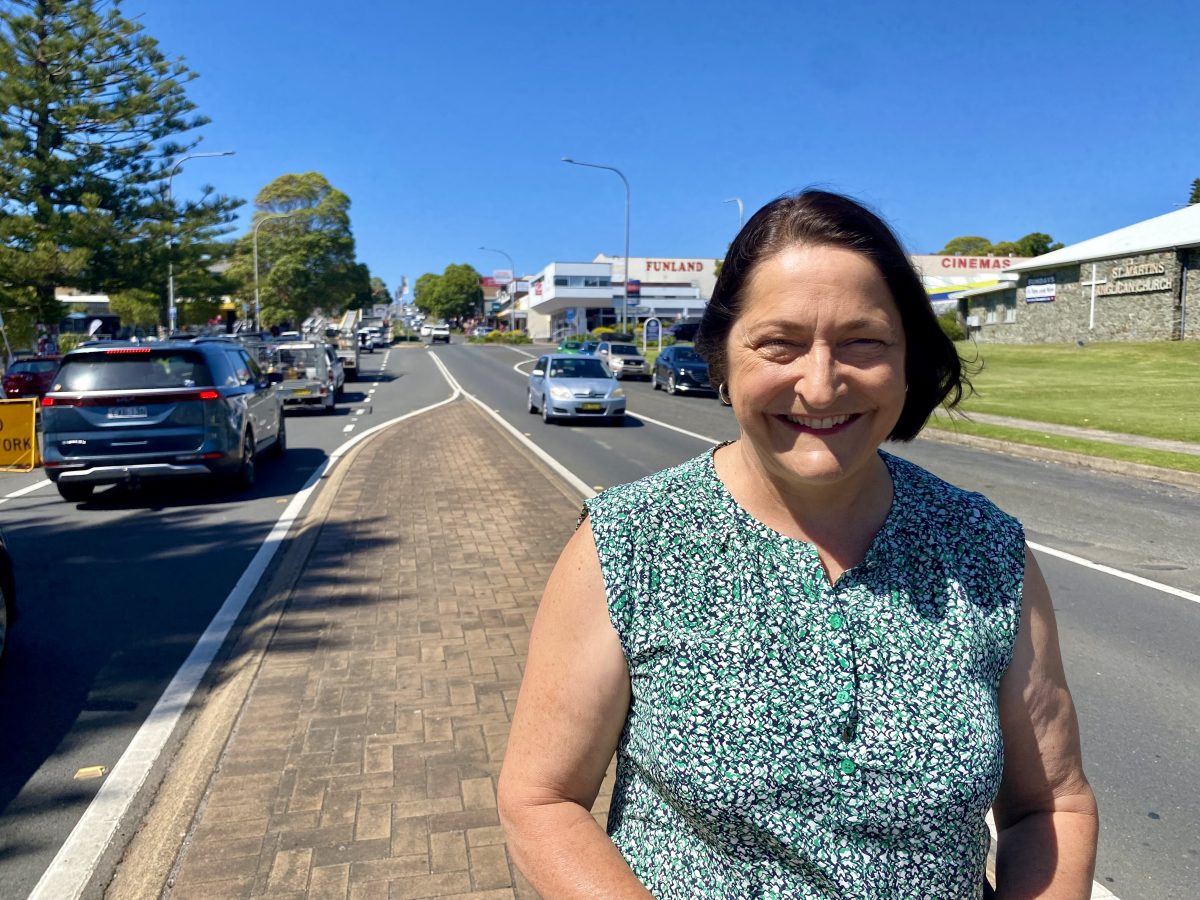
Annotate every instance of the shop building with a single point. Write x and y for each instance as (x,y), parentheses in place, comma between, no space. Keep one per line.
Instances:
(1138,283)
(571,297)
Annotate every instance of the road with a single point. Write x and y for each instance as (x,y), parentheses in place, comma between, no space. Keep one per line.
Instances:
(113,595)
(108,616)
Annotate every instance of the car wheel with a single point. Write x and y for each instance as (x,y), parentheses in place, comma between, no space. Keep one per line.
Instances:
(671,389)
(530,405)
(654,382)
(75,493)
(546,416)
(244,479)
(331,407)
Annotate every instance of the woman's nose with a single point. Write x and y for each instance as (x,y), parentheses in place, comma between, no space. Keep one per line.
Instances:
(818,383)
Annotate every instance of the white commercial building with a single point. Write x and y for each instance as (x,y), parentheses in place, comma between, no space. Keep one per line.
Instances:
(572,297)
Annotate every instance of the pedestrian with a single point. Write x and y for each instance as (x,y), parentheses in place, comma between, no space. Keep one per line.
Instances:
(818,664)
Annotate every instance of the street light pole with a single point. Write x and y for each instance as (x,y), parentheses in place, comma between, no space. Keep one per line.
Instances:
(625,293)
(258,225)
(512,265)
(171,317)
(741,210)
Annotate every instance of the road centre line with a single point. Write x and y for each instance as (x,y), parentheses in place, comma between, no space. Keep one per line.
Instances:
(72,868)
(348,428)
(1040,548)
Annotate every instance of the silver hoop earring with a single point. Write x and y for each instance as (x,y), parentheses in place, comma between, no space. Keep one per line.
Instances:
(723,394)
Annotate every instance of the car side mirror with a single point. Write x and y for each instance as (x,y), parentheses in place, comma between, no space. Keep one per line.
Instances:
(539,372)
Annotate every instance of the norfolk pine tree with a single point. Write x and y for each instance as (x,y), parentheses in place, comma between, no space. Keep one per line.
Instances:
(90,115)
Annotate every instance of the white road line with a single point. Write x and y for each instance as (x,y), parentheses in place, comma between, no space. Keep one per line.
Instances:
(359,412)
(1116,573)
(574,480)
(28,489)
(375,385)
(348,428)
(73,866)
(371,391)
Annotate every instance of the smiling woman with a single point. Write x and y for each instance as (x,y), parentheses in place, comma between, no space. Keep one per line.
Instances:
(818,664)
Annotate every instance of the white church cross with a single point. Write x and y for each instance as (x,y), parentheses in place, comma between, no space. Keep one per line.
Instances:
(1092,284)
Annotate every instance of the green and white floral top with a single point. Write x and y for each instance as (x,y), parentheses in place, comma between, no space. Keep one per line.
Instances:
(792,738)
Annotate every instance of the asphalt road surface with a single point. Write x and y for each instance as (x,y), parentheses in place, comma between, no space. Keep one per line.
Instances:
(114,593)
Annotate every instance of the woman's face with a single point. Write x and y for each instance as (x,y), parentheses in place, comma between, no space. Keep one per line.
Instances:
(816,364)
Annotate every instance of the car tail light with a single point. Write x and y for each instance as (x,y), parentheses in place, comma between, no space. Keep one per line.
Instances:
(124,350)
(132,399)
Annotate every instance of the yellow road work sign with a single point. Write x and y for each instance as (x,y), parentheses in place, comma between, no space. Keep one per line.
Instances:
(18,434)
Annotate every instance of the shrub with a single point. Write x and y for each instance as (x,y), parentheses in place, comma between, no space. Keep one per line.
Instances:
(951,327)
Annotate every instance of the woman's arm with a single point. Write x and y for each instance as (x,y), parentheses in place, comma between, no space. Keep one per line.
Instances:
(1045,811)
(569,716)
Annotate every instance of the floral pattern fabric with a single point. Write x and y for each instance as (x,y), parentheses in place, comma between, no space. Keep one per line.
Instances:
(788,737)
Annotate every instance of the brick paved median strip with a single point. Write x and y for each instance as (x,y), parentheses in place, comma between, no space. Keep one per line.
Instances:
(364,763)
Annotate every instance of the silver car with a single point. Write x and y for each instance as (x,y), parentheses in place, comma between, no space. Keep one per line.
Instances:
(569,386)
(625,360)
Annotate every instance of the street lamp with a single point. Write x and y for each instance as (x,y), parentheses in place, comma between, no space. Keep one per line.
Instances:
(512,266)
(171,318)
(625,297)
(741,210)
(258,225)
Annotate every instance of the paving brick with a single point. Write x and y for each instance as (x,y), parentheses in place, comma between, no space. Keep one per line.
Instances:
(365,761)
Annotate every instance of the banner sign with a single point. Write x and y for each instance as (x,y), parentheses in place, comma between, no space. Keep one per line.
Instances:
(633,287)
(18,434)
(1040,289)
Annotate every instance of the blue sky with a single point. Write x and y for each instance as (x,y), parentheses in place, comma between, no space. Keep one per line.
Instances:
(445,122)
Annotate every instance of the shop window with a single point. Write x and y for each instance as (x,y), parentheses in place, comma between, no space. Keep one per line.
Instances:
(1010,314)
(561,281)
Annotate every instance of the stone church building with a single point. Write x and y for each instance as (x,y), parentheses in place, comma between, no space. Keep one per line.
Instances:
(1139,283)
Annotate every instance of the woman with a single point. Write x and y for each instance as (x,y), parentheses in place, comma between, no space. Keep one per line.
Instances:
(819,665)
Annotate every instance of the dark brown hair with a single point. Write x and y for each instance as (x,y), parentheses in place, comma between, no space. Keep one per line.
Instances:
(819,218)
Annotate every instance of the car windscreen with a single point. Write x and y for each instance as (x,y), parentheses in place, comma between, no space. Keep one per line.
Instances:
(298,362)
(32,366)
(686,354)
(583,367)
(624,349)
(118,370)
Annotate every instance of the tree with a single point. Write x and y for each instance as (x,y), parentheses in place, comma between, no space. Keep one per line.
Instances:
(970,245)
(1033,244)
(91,113)
(1195,197)
(456,293)
(306,261)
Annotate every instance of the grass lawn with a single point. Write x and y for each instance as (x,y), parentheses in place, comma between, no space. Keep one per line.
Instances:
(1180,461)
(1151,389)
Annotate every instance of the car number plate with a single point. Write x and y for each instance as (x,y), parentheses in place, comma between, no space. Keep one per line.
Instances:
(591,407)
(127,412)
(301,392)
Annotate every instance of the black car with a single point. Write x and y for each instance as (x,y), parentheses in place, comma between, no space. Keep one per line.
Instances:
(120,413)
(684,331)
(680,368)
(8,597)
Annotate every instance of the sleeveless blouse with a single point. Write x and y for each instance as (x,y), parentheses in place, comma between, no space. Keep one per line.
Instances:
(788,737)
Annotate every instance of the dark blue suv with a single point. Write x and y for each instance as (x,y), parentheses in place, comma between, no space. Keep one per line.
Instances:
(120,413)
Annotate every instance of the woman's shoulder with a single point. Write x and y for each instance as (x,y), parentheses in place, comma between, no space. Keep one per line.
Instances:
(933,501)
(686,483)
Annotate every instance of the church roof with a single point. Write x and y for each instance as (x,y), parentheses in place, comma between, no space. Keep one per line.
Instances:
(1179,228)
